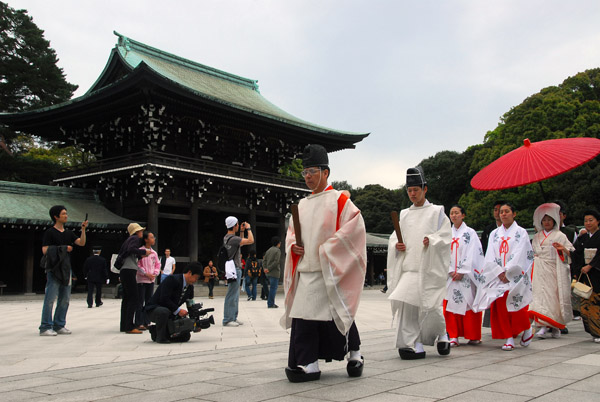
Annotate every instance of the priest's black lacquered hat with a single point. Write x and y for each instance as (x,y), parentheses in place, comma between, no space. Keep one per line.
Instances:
(315,155)
(415,177)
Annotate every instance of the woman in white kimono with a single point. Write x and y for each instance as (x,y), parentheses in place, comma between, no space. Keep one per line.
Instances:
(551,306)
(466,256)
(506,281)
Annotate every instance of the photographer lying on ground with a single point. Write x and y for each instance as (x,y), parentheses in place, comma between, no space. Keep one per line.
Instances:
(164,307)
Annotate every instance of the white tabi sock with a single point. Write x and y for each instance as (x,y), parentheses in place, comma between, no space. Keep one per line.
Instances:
(311,368)
(355,355)
(443,338)
(419,347)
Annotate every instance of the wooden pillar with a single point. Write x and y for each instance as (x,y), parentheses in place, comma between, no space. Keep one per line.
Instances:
(29,255)
(193,232)
(152,224)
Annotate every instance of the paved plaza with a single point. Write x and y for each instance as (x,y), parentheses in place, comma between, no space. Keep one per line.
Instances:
(246,363)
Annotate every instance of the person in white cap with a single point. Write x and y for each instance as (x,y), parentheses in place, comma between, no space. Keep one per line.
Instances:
(233,244)
(129,252)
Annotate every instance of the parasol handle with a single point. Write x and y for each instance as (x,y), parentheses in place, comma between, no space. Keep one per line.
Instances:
(396,223)
(297,229)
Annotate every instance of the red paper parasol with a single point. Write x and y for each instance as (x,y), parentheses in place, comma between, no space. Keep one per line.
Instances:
(536,161)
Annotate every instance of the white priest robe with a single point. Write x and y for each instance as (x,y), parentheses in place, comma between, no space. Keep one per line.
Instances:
(417,276)
(466,255)
(326,283)
(509,251)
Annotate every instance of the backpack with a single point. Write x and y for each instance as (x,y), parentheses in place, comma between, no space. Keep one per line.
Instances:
(253,269)
(223,256)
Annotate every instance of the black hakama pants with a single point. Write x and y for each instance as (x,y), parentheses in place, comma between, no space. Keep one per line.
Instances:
(313,340)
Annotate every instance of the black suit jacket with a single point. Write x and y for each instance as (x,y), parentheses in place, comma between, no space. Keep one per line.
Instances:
(95,269)
(169,295)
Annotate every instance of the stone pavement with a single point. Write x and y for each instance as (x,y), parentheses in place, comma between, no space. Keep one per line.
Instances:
(246,363)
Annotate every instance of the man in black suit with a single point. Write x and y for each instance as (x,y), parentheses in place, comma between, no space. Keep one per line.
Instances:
(95,271)
(173,291)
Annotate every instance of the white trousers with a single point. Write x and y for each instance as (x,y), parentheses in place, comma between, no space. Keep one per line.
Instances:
(415,326)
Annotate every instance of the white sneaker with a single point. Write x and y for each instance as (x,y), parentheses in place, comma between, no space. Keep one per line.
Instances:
(239,322)
(231,324)
(48,332)
(63,331)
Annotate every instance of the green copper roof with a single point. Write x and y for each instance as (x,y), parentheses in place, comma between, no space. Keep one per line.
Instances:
(24,203)
(219,86)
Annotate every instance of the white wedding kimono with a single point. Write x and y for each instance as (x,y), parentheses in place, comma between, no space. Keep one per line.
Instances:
(326,283)
(551,305)
(509,251)
(417,276)
(466,255)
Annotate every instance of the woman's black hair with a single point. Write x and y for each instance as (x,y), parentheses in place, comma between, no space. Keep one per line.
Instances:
(145,235)
(550,218)
(508,204)
(462,210)
(592,212)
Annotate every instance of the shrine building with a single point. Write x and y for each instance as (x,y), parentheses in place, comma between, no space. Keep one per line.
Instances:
(179,146)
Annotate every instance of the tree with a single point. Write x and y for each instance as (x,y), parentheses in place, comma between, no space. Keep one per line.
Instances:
(571,109)
(30,79)
(29,76)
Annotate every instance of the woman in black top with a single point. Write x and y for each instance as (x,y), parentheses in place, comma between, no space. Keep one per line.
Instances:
(586,260)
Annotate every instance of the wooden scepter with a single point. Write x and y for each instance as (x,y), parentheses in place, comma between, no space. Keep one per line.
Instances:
(297,229)
(396,223)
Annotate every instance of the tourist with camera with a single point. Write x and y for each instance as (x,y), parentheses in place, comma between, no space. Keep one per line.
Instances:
(169,296)
(233,266)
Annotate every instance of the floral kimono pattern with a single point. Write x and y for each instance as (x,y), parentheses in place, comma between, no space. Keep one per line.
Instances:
(509,251)
(466,256)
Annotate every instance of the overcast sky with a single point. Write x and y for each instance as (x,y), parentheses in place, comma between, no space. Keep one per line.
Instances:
(421,76)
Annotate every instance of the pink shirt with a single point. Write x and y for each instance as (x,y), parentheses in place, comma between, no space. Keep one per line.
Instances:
(149,264)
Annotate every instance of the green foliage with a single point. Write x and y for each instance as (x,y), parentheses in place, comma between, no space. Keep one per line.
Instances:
(30,79)
(375,203)
(29,76)
(27,169)
(571,109)
(292,170)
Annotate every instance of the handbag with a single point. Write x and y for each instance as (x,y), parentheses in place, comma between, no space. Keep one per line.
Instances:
(116,263)
(581,289)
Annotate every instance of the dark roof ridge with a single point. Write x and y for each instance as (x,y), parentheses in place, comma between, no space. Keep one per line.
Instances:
(29,188)
(126,44)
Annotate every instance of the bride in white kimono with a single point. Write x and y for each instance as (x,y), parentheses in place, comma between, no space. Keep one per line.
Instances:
(551,306)
(506,281)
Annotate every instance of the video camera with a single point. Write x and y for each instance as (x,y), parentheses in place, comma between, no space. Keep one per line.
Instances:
(197,313)
(181,328)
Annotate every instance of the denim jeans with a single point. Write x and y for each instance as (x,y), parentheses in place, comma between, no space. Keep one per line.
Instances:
(273,284)
(251,292)
(54,290)
(232,298)
(247,280)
